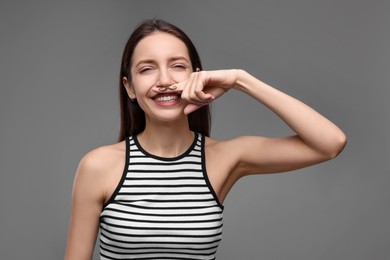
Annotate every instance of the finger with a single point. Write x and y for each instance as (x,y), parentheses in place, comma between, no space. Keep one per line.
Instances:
(177,87)
(192,87)
(197,92)
(191,108)
(185,88)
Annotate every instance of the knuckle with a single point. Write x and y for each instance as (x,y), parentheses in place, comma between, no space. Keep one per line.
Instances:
(198,92)
(193,95)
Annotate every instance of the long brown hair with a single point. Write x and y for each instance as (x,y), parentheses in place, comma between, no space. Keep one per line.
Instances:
(132,116)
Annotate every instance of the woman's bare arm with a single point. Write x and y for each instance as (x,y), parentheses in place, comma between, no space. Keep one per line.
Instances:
(87,201)
(317,139)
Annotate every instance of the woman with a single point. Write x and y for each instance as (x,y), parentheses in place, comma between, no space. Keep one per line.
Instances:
(158,193)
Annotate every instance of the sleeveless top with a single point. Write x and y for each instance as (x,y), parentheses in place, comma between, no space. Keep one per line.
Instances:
(162,208)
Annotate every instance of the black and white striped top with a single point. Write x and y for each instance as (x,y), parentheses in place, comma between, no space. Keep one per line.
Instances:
(163,208)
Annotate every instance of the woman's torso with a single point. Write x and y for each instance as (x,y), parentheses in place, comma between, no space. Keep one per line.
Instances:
(124,187)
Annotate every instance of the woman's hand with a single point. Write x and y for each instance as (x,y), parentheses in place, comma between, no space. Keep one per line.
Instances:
(203,87)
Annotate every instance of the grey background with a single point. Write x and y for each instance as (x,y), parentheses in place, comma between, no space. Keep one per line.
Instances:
(59,67)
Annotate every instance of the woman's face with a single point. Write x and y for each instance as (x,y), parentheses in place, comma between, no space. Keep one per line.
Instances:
(159,60)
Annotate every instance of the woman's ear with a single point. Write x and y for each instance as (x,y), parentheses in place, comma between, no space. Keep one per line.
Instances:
(129,88)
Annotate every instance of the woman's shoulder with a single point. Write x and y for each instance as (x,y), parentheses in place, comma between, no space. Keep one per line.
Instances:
(99,160)
(98,169)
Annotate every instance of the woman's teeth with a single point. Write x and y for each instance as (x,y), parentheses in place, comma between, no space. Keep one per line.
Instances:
(166,98)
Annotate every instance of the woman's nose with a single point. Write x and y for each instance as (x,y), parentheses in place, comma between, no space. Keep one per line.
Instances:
(164,79)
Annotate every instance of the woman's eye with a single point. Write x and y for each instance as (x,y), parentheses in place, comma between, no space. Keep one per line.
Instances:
(179,66)
(145,69)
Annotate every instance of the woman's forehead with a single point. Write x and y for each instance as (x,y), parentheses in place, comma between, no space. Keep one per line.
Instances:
(159,45)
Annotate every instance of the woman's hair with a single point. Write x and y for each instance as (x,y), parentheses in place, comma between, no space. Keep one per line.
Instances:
(132,116)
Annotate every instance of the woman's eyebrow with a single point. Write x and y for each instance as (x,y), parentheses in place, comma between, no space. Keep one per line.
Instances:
(145,61)
(176,58)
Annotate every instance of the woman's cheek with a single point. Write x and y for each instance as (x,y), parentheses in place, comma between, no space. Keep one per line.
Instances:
(144,83)
(180,77)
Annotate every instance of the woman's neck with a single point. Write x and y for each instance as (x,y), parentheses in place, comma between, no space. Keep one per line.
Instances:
(166,139)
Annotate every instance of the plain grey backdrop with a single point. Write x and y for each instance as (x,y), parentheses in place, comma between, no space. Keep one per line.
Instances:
(59,67)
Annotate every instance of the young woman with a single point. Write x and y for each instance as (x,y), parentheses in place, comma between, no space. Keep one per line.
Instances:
(158,192)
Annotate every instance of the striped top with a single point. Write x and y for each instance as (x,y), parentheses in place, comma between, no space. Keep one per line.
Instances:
(162,208)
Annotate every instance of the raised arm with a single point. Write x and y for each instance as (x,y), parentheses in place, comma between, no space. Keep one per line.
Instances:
(316,140)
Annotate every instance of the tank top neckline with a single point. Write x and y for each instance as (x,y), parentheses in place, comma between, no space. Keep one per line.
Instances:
(185,153)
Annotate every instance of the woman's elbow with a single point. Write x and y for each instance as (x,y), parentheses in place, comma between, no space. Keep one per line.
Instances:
(336,146)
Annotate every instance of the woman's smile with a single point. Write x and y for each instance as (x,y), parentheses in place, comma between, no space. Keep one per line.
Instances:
(167,99)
